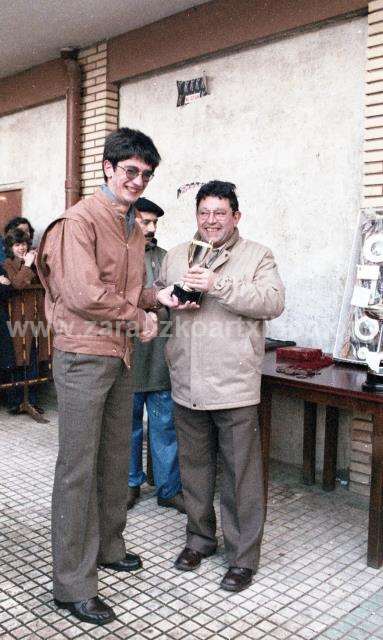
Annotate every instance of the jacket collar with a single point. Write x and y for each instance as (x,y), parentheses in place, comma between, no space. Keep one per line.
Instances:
(117,208)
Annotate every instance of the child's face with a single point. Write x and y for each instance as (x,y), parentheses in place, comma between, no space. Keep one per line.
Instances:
(20,249)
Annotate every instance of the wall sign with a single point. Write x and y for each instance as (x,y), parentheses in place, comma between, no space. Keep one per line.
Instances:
(190,90)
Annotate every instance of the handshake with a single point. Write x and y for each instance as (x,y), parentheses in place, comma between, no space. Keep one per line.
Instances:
(151,328)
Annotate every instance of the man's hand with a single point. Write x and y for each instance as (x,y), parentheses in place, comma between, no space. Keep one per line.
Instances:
(189,306)
(29,258)
(4,280)
(199,279)
(168,299)
(151,329)
(165,297)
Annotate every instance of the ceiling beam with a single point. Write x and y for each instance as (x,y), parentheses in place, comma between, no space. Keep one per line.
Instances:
(40,84)
(214,27)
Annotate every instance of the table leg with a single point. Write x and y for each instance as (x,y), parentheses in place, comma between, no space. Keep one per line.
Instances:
(330,448)
(264,417)
(309,442)
(375,522)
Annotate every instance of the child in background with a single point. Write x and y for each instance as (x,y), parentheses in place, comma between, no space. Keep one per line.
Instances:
(20,270)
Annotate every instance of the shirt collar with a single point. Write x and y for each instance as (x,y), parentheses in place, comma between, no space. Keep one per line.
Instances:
(108,192)
(130,213)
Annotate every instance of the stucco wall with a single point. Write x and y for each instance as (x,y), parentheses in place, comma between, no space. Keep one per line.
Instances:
(284,121)
(32,155)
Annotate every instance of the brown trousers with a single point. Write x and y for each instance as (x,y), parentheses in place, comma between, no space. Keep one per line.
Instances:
(90,487)
(234,434)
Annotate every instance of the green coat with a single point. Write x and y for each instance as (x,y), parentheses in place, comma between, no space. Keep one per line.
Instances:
(150,371)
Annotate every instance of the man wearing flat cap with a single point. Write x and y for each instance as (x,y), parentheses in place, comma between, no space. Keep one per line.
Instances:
(151,383)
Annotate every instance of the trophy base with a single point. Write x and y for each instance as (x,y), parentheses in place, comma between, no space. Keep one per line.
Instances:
(374,382)
(187,296)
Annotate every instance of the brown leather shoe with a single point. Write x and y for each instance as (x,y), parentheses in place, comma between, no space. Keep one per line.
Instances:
(189,559)
(237,578)
(176,502)
(133,495)
(93,611)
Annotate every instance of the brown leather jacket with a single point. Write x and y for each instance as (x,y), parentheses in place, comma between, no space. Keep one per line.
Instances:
(19,274)
(93,275)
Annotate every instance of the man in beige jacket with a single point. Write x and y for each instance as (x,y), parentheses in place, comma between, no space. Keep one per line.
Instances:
(215,356)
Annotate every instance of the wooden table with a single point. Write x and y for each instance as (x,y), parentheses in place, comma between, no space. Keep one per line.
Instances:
(337,387)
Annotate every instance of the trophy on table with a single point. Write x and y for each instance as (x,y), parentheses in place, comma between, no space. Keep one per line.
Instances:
(360,332)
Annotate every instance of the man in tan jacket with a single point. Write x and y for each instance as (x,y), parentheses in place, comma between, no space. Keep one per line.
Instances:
(215,356)
(91,263)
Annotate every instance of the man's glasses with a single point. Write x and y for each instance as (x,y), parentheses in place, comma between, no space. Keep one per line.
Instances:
(132,173)
(218,213)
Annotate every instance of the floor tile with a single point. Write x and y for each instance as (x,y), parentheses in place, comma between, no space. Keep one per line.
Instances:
(313,582)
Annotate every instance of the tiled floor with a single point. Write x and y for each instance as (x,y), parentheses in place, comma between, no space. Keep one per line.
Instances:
(313,581)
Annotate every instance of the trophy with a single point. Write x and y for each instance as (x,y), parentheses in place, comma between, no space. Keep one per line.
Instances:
(374,359)
(182,291)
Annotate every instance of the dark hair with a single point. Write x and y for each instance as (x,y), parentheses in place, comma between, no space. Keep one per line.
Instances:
(125,143)
(143,204)
(15,236)
(16,222)
(219,189)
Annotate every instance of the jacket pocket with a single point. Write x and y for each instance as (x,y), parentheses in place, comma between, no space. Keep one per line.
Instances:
(110,286)
(257,344)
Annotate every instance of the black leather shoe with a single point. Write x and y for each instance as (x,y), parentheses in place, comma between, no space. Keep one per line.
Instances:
(189,559)
(237,578)
(133,495)
(176,502)
(93,611)
(131,562)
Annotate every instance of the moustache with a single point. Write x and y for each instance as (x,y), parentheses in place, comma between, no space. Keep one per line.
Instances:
(149,235)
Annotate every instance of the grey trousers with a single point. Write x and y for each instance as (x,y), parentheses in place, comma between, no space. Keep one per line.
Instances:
(90,486)
(234,433)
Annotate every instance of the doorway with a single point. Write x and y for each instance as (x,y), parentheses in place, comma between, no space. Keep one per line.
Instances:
(10,206)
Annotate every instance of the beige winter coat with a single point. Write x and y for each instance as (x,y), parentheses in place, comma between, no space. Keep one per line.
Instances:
(215,353)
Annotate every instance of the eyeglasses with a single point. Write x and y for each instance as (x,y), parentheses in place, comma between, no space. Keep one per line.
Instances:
(132,173)
(219,214)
